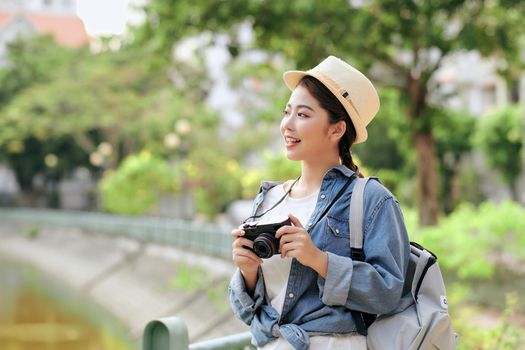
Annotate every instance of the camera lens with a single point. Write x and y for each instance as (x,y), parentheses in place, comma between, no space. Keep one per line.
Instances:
(265,245)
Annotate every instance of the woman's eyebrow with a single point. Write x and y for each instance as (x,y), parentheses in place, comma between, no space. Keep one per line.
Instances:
(302,106)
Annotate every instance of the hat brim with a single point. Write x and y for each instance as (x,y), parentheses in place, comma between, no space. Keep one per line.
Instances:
(292,79)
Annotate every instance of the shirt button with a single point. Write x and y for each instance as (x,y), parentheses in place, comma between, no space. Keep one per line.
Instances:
(309,224)
(337,230)
(323,196)
(290,295)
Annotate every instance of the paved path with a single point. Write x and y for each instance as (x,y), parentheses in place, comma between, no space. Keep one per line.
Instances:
(130,279)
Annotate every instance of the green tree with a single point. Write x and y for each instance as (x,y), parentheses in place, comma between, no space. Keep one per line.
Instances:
(500,137)
(405,41)
(31,61)
(52,96)
(453,131)
(387,154)
(83,109)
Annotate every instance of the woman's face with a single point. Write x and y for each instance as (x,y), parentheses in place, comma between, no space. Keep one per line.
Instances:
(306,130)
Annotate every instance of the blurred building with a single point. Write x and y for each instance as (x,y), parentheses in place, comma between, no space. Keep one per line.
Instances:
(471,82)
(22,18)
(467,81)
(8,186)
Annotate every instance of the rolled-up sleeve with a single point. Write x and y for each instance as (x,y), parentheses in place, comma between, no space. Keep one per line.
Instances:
(338,280)
(375,285)
(243,304)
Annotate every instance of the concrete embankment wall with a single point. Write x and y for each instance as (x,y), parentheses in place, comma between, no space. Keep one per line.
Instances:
(135,281)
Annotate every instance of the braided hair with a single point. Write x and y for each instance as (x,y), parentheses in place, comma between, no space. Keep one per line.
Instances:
(336,113)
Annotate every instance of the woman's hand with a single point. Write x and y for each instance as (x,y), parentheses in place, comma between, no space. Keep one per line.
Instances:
(244,258)
(297,243)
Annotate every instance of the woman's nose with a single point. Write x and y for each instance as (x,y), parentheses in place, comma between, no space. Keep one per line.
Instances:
(288,122)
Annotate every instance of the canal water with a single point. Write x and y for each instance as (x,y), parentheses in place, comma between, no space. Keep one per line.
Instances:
(38,312)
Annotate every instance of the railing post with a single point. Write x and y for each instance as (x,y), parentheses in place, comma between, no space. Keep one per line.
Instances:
(235,341)
(170,333)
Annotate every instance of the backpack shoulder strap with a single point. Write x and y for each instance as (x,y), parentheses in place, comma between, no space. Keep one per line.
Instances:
(356,213)
(362,320)
(356,218)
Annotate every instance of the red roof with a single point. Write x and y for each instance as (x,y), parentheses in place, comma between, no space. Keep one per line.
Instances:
(5,18)
(66,30)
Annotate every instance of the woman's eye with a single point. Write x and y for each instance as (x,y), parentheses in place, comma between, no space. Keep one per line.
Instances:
(285,112)
(302,115)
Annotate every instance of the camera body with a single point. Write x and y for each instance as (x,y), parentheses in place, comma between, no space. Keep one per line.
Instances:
(265,245)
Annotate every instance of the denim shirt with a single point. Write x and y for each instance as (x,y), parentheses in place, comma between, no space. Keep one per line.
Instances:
(320,306)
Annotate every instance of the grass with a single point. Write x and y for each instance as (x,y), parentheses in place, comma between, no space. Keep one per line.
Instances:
(31,232)
(190,278)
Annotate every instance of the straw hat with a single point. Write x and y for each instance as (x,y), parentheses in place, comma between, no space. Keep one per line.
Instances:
(355,92)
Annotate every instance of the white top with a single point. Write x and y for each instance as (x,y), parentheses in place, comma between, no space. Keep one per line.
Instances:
(276,269)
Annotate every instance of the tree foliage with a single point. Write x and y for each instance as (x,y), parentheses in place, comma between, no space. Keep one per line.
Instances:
(108,92)
(500,137)
(215,178)
(454,131)
(400,44)
(136,186)
(274,167)
(67,102)
(31,61)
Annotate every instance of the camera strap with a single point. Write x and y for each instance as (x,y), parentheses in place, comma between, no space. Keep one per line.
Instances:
(276,204)
(337,196)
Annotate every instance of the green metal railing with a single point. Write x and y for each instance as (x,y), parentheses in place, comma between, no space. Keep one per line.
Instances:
(171,333)
(199,237)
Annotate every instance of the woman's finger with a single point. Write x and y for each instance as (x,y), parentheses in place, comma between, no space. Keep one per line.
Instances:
(242,254)
(295,221)
(242,242)
(286,238)
(287,230)
(237,233)
(291,249)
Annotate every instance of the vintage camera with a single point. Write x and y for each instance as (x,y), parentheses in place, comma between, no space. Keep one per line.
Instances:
(265,244)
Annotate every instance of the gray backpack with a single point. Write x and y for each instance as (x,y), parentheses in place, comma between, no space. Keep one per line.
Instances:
(421,321)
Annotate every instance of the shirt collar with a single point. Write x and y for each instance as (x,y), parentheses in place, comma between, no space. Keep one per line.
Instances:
(342,169)
(330,174)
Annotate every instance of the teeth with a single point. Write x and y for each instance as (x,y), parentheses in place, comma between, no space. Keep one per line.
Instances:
(292,140)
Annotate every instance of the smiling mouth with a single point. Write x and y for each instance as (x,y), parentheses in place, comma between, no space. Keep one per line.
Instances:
(291,140)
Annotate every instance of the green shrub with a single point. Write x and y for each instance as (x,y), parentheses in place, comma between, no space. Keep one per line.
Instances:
(503,335)
(472,239)
(135,187)
(215,179)
(469,185)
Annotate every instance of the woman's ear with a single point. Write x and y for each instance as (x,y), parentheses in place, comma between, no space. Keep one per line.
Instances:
(338,130)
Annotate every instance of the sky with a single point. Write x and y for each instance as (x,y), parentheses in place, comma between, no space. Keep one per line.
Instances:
(103,17)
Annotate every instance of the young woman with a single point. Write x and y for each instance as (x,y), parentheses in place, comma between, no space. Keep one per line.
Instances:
(312,294)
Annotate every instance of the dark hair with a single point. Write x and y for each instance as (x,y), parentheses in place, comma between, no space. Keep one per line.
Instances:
(336,113)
